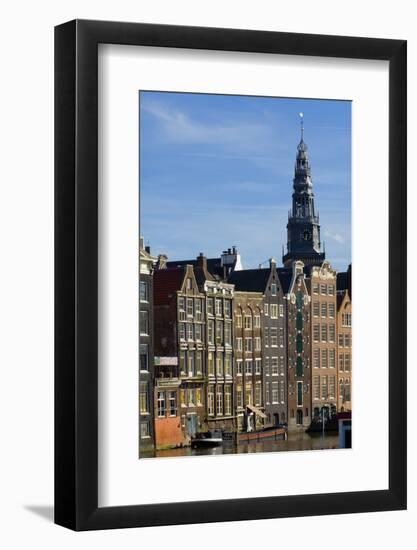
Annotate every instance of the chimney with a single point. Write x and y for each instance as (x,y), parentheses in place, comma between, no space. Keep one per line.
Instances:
(272,262)
(148,249)
(202,261)
(230,260)
(141,243)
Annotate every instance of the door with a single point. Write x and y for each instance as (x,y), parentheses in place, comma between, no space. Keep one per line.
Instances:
(192,424)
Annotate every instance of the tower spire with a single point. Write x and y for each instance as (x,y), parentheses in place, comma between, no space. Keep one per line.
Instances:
(303,228)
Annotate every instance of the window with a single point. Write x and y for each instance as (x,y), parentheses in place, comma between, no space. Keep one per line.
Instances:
(190,307)
(281,368)
(281,310)
(275,392)
(347,389)
(228,334)
(219,332)
(181,308)
(226,305)
(267,394)
(198,396)
(274,337)
(210,332)
(316,358)
(331,310)
(210,400)
(172,403)
(266,365)
(341,390)
(341,362)
(190,331)
(182,362)
(281,391)
(181,331)
(330,290)
(346,319)
(266,336)
(143,398)
(219,364)
(228,364)
(239,344)
(316,387)
(183,398)
(197,332)
(332,387)
(248,396)
(315,288)
(316,309)
(323,309)
(340,340)
(332,333)
(191,396)
(144,357)
(324,393)
(191,364)
(248,322)
(281,336)
(323,289)
(228,400)
(299,394)
(299,343)
(248,367)
(198,362)
(198,311)
(332,358)
(347,362)
(239,397)
(316,333)
(189,283)
(144,322)
(210,363)
(324,358)
(274,365)
(274,311)
(209,306)
(238,321)
(299,369)
(258,394)
(257,321)
(161,404)
(324,333)
(143,291)
(248,344)
(218,307)
(274,289)
(144,430)
(266,309)
(219,400)
(257,343)
(258,366)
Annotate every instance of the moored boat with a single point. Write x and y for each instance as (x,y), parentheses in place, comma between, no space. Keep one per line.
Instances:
(207,439)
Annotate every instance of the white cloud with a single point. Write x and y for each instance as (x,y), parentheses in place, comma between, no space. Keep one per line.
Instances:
(335,237)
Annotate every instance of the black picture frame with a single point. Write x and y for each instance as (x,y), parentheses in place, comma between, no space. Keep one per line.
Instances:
(76,272)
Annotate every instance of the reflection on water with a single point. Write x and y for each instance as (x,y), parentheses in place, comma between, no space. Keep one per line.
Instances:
(298,441)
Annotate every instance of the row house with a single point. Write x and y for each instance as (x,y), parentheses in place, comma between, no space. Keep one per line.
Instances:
(146,351)
(247,313)
(179,338)
(298,321)
(321,283)
(273,335)
(344,350)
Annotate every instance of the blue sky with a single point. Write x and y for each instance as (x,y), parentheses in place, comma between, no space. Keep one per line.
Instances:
(216,171)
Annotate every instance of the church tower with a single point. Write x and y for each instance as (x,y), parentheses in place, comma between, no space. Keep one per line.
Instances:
(303,227)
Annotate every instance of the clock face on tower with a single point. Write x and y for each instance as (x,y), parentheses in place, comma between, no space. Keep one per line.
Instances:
(307,235)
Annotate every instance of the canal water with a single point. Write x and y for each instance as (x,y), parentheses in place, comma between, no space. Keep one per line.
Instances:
(299,441)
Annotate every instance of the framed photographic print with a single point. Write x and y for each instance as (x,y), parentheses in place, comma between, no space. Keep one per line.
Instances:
(221,195)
